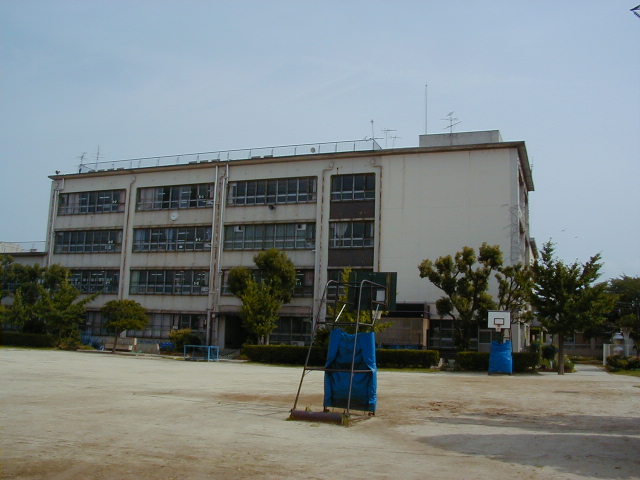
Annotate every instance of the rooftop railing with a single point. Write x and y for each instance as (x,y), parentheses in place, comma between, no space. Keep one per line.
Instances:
(364,145)
(22,247)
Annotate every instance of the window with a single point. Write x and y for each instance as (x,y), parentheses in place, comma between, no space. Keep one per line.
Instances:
(350,234)
(169,282)
(271,192)
(102,201)
(88,241)
(283,236)
(175,197)
(161,324)
(291,331)
(360,186)
(91,281)
(176,239)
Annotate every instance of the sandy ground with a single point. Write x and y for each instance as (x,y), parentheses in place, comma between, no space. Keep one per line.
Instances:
(73,415)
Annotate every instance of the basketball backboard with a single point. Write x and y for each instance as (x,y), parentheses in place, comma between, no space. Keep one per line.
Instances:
(498,320)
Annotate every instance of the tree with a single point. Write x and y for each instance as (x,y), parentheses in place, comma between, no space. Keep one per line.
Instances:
(124,315)
(62,312)
(465,281)
(264,291)
(514,290)
(566,298)
(44,301)
(626,314)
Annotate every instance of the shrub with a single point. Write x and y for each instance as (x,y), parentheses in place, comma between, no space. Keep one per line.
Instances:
(294,355)
(406,358)
(549,352)
(472,361)
(284,354)
(619,362)
(183,337)
(19,339)
(524,361)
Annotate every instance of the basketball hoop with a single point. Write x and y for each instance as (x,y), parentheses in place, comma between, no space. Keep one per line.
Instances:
(498,324)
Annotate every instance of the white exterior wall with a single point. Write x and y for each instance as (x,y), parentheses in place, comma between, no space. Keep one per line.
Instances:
(435,204)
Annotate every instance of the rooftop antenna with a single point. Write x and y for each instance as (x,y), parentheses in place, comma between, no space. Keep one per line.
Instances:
(636,11)
(452,122)
(97,157)
(387,131)
(81,157)
(393,144)
(426,110)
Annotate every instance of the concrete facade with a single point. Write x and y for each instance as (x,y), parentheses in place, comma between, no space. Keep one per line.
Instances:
(378,210)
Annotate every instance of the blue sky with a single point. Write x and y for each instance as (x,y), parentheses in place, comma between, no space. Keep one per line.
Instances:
(142,78)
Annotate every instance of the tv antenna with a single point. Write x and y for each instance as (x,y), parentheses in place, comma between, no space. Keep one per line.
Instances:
(453,121)
(81,157)
(387,136)
(636,11)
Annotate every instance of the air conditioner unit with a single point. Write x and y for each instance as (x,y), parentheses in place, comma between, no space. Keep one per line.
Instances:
(238,228)
(301,226)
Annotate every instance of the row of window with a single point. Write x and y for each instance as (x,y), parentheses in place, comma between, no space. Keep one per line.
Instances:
(359,186)
(283,236)
(88,241)
(167,282)
(175,197)
(171,239)
(271,192)
(102,201)
(159,326)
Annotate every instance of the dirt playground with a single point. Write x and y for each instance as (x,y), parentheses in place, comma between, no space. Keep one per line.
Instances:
(93,416)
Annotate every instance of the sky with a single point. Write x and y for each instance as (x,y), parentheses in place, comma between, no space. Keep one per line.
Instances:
(144,78)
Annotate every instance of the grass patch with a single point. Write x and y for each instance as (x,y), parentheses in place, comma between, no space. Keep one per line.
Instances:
(629,373)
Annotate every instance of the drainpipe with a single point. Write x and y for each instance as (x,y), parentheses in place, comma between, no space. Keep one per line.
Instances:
(124,258)
(320,272)
(56,187)
(211,298)
(378,223)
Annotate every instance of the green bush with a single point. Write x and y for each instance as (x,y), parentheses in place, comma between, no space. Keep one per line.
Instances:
(619,362)
(294,355)
(284,354)
(183,337)
(406,358)
(525,361)
(20,339)
(472,361)
(549,352)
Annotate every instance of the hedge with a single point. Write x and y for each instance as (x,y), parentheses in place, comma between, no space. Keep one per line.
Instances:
(20,339)
(525,361)
(294,355)
(618,362)
(404,358)
(479,361)
(473,361)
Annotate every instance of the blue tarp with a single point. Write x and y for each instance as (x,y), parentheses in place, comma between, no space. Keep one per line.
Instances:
(500,359)
(339,356)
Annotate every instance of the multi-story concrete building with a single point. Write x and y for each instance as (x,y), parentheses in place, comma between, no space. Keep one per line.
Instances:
(165,231)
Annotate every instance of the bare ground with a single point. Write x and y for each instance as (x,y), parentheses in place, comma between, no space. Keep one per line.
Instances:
(77,416)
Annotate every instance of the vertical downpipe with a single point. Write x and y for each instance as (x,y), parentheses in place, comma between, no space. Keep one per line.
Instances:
(53,208)
(319,273)
(214,232)
(124,257)
(378,223)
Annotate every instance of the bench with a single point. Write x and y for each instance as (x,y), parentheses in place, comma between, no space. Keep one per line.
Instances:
(123,345)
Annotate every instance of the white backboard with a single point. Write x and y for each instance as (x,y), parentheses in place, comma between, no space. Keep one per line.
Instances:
(498,319)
